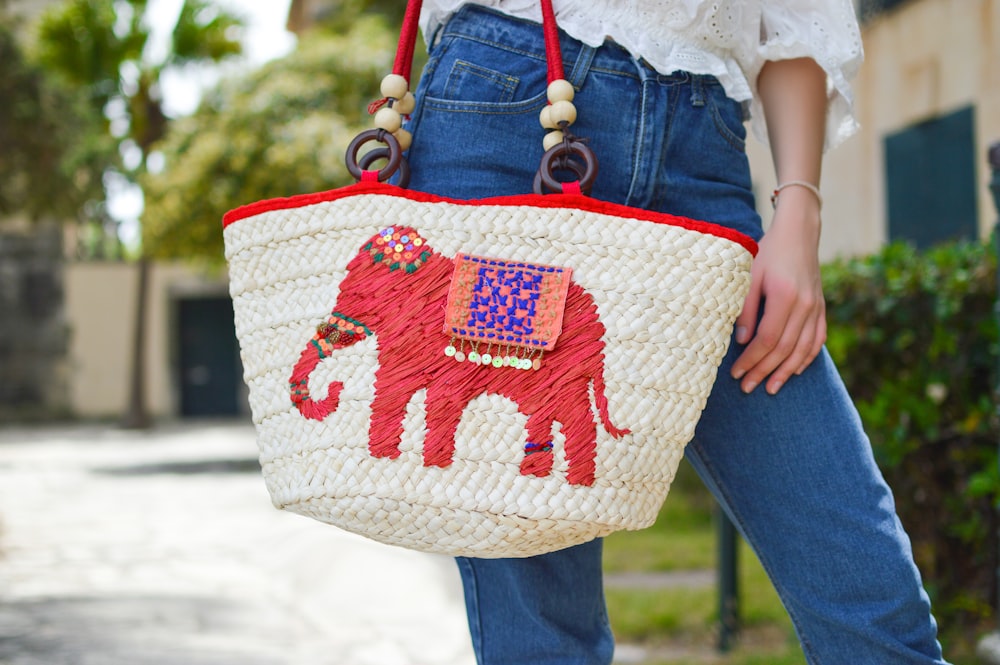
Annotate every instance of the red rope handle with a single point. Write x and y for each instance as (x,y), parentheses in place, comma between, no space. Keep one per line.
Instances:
(553,54)
(403,64)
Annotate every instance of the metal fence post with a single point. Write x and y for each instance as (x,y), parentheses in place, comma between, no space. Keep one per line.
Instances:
(993,156)
(729,607)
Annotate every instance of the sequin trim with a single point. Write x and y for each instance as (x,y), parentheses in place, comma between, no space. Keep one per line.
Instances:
(399,249)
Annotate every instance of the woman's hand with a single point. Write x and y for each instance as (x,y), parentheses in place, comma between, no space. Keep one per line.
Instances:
(785,290)
(785,276)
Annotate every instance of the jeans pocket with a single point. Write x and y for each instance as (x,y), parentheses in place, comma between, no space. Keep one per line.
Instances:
(482,83)
(474,76)
(475,127)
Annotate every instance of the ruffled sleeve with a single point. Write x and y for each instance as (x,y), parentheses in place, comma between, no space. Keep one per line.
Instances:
(826,31)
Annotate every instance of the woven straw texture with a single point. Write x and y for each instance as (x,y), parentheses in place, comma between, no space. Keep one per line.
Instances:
(663,302)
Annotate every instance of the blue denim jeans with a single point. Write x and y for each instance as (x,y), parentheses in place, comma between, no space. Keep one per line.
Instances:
(794,471)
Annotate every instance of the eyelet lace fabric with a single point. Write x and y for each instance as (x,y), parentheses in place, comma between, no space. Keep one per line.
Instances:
(728,39)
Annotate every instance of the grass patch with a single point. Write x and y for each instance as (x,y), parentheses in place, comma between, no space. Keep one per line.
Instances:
(638,615)
(682,538)
(678,625)
(756,648)
(651,615)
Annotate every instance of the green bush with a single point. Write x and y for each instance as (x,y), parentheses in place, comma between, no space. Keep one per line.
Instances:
(915,337)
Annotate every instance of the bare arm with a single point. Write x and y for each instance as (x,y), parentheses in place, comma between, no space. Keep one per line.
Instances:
(786,272)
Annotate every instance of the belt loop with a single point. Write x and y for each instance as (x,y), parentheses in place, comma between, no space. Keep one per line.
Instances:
(644,70)
(697,90)
(582,65)
(435,36)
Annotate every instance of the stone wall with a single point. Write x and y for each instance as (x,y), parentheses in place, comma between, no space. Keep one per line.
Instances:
(33,327)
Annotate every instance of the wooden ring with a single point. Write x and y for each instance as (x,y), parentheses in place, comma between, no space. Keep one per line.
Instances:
(559,158)
(373,156)
(394,156)
(562,163)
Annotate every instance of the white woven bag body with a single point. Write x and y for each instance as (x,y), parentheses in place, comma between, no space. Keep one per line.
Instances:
(494,378)
(665,292)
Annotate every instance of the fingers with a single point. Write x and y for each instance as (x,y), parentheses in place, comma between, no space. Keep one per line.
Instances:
(819,339)
(788,338)
(746,322)
(790,354)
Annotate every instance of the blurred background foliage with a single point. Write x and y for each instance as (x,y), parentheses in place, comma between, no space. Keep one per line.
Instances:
(55,150)
(916,338)
(88,104)
(104,47)
(278,131)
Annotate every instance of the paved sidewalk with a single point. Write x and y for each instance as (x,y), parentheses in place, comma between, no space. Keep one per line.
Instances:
(162,548)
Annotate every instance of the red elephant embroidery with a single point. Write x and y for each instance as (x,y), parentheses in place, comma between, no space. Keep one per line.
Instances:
(397,288)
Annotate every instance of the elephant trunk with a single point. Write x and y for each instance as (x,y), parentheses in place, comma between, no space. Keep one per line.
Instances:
(336,332)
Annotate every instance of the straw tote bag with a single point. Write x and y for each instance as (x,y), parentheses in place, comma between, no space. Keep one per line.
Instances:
(500,377)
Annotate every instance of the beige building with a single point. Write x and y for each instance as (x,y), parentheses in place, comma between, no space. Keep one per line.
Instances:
(192,364)
(928,99)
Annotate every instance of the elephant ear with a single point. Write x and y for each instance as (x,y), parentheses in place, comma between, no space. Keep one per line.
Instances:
(399,248)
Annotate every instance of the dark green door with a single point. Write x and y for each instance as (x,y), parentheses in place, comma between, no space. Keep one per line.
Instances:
(931,180)
(210,370)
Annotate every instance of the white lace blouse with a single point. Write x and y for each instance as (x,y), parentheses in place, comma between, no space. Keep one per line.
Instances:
(729,39)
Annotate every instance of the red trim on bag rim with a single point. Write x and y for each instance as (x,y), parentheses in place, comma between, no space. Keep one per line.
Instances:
(579,202)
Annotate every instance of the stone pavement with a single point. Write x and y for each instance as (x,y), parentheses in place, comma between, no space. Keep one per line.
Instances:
(162,548)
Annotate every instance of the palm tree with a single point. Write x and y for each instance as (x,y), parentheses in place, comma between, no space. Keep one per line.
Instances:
(105,47)
(54,148)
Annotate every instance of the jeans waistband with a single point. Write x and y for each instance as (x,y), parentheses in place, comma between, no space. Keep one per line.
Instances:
(526,37)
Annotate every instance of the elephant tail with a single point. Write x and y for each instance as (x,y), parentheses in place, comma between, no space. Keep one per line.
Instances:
(601,401)
(317,349)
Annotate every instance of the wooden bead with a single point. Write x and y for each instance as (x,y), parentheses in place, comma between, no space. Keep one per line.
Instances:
(552,139)
(561,112)
(388,119)
(560,90)
(545,118)
(404,138)
(394,86)
(405,104)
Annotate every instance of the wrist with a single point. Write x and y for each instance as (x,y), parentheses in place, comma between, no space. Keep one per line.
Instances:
(798,208)
(791,185)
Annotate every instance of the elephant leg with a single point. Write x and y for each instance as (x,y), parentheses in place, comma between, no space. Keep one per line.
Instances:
(386,427)
(580,430)
(444,411)
(538,450)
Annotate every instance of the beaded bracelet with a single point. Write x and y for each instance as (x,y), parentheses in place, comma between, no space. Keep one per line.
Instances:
(792,183)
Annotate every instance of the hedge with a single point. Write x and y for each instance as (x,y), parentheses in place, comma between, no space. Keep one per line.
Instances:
(915,336)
